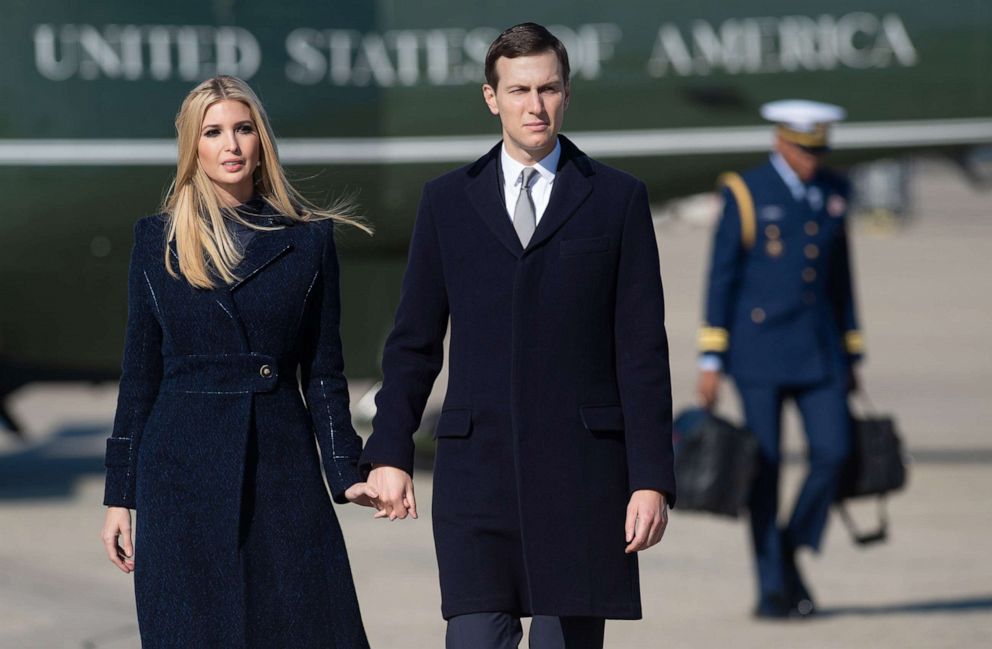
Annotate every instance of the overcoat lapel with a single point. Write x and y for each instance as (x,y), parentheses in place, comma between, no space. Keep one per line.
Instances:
(484,193)
(572,187)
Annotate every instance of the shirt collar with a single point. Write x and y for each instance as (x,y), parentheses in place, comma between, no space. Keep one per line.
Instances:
(546,166)
(789,177)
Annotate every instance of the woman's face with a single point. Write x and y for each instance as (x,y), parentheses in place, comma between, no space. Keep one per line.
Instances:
(229,149)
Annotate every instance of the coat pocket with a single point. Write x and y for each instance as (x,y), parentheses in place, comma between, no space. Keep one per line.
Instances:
(584,246)
(454,423)
(602,418)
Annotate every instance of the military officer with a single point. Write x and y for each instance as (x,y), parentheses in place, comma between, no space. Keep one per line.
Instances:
(780,320)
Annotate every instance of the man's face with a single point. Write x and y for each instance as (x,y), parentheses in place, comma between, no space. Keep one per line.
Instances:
(530,99)
(803,162)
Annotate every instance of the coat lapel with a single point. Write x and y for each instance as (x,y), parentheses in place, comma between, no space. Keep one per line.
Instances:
(266,246)
(264,249)
(483,191)
(572,187)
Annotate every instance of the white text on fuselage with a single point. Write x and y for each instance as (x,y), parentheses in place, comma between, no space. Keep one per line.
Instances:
(407,57)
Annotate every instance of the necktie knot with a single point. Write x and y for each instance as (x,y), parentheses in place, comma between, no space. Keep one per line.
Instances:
(527,177)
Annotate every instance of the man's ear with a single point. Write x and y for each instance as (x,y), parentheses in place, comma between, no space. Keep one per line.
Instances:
(489,94)
(568,95)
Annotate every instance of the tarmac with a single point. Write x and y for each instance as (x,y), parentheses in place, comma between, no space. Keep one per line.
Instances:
(925,305)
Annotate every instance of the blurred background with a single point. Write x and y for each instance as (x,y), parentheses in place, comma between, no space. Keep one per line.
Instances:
(376,97)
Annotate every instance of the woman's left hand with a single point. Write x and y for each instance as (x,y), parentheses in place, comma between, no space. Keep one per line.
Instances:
(361,493)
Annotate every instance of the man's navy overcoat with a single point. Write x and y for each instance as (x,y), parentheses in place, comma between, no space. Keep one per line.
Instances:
(237,544)
(559,396)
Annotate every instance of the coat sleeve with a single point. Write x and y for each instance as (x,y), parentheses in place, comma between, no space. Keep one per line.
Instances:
(723,281)
(641,342)
(140,377)
(414,351)
(322,377)
(842,292)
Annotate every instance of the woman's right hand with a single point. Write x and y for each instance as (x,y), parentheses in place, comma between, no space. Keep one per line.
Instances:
(116,525)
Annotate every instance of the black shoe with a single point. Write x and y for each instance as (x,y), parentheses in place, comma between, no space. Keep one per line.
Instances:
(797,596)
(772,607)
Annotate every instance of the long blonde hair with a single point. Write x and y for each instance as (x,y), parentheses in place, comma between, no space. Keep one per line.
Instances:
(206,250)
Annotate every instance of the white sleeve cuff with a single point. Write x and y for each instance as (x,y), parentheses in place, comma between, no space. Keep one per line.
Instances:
(710,363)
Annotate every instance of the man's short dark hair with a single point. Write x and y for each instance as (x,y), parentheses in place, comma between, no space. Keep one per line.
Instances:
(525,39)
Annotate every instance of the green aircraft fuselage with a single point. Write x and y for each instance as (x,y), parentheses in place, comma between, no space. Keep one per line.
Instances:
(378,97)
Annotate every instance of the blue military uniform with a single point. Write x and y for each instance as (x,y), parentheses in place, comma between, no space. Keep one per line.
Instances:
(780,320)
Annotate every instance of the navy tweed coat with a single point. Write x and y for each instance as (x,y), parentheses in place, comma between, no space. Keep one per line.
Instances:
(559,396)
(237,544)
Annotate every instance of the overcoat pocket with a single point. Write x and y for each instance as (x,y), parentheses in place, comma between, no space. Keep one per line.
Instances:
(584,246)
(454,423)
(600,418)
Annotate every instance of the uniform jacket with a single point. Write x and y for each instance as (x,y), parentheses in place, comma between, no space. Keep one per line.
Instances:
(559,398)
(781,310)
(237,544)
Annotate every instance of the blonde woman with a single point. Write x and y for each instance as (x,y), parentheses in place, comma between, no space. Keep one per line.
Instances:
(231,290)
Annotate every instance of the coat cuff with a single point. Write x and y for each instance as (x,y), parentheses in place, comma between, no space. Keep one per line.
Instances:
(664,484)
(713,340)
(854,343)
(119,486)
(341,474)
(377,452)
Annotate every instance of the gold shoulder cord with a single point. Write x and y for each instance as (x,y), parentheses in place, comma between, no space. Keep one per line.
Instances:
(745,205)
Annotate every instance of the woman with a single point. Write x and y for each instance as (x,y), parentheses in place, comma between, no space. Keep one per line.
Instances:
(231,291)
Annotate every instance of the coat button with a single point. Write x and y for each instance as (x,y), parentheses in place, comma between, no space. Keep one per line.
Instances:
(772,231)
(811,227)
(812,251)
(265,371)
(809,274)
(758,315)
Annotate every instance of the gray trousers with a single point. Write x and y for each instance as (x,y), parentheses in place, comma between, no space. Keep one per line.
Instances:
(504,631)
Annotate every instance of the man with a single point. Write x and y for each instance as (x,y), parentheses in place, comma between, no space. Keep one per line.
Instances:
(780,320)
(554,461)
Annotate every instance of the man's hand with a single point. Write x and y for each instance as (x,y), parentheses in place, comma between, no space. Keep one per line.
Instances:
(395,489)
(647,518)
(117,525)
(708,388)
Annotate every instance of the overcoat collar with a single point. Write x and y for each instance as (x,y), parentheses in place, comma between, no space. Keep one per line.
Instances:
(266,246)
(572,186)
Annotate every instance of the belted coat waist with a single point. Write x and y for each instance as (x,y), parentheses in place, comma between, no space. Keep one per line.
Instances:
(225,373)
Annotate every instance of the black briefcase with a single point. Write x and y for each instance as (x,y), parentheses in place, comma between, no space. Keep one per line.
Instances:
(876,467)
(715,463)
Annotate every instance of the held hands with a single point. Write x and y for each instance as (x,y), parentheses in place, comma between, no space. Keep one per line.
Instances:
(647,518)
(708,388)
(118,524)
(395,489)
(362,494)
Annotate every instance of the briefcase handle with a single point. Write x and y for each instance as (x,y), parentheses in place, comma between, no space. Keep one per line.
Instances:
(865,405)
(866,538)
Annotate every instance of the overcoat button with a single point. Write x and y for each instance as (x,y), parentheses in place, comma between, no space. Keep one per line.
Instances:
(772,231)
(812,227)
(265,371)
(809,274)
(812,251)
(758,315)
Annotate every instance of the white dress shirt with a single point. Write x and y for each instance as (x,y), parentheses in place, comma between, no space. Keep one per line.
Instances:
(540,189)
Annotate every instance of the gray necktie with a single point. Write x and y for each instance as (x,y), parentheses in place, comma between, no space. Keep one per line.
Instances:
(524,214)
